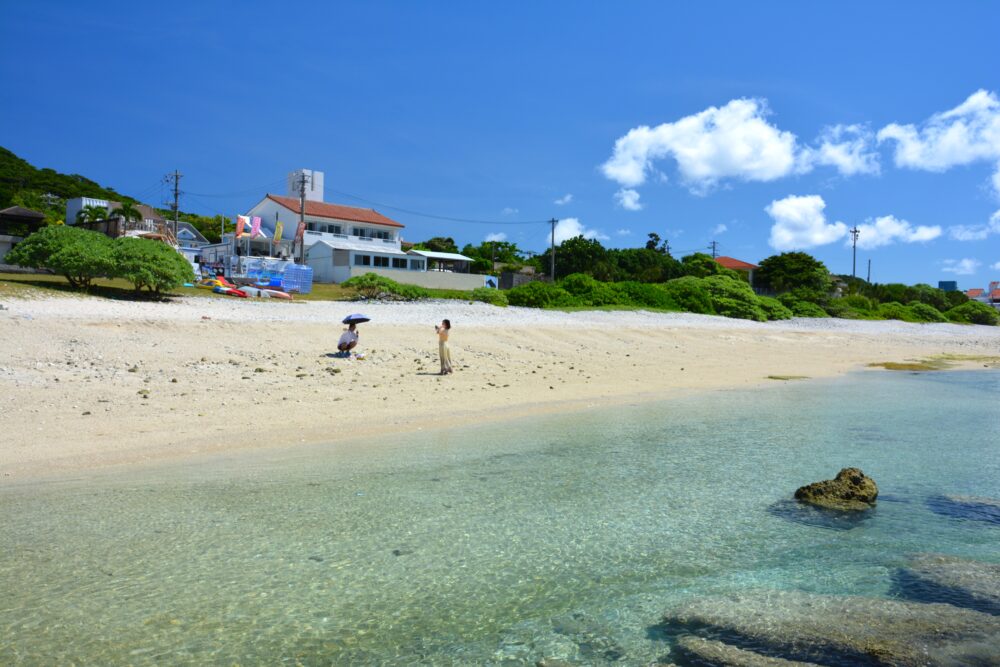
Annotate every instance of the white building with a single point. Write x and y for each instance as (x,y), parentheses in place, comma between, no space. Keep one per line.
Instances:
(346,241)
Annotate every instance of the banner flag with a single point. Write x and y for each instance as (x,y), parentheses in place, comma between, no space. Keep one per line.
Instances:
(241,221)
(255,229)
(278,228)
(300,232)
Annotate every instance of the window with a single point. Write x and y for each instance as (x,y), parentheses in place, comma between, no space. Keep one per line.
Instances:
(382,261)
(399,262)
(366,233)
(362,260)
(416,265)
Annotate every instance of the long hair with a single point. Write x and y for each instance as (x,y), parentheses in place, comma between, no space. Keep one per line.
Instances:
(446,323)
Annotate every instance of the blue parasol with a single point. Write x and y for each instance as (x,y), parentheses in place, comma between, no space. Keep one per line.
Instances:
(356,318)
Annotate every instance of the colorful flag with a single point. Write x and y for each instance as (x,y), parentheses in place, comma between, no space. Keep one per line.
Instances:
(278,228)
(300,232)
(241,222)
(255,229)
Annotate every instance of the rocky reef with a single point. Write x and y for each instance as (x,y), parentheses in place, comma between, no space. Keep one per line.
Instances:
(850,490)
(832,630)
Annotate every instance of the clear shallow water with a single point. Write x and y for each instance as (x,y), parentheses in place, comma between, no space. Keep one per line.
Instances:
(562,536)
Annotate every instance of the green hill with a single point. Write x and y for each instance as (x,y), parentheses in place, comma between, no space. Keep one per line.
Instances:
(46,190)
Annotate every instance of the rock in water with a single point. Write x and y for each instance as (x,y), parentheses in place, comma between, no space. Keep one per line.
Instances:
(956,581)
(966,507)
(719,654)
(850,490)
(848,630)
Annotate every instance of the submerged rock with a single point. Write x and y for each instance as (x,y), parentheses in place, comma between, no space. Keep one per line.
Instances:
(818,517)
(966,507)
(956,581)
(850,490)
(844,629)
(720,654)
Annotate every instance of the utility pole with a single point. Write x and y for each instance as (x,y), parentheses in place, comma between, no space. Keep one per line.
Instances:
(301,233)
(493,249)
(176,178)
(666,247)
(552,270)
(714,247)
(869,272)
(855,233)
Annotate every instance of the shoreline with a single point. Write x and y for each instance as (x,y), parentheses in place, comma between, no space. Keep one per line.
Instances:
(93,385)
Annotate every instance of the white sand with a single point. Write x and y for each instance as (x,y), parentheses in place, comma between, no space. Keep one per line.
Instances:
(74,370)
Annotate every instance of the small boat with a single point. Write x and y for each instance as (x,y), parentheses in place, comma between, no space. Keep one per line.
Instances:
(277,294)
(256,292)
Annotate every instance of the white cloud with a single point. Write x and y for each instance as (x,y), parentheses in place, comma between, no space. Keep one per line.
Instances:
(846,147)
(628,199)
(496,236)
(510,211)
(565,199)
(732,141)
(968,133)
(624,232)
(995,267)
(569,228)
(961,267)
(799,223)
(976,232)
(719,229)
(888,229)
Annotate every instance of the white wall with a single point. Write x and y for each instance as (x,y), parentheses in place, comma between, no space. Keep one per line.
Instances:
(74,206)
(432,279)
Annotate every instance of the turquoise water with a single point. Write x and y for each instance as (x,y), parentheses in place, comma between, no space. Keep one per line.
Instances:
(564,536)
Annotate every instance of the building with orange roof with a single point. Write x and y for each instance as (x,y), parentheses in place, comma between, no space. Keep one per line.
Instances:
(738,265)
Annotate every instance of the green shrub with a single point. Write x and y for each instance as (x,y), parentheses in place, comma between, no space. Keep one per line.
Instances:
(538,294)
(923,312)
(859,302)
(690,294)
(150,264)
(490,295)
(374,286)
(588,291)
(774,309)
(843,309)
(894,310)
(801,308)
(644,294)
(78,254)
(973,312)
(733,298)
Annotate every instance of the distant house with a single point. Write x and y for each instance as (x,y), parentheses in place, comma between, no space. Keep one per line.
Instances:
(189,236)
(150,222)
(16,222)
(976,293)
(738,265)
(341,241)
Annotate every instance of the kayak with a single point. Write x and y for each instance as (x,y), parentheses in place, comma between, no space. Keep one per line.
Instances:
(256,292)
(230,291)
(277,294)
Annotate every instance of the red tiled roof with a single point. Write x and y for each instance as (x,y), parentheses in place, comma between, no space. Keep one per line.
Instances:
(995,295)
(323,210)
(974,292)
(735,264)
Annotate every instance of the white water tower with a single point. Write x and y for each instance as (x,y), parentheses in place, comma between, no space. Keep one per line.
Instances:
(314,184)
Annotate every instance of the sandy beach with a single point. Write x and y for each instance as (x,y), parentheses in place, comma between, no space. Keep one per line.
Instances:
(91,383)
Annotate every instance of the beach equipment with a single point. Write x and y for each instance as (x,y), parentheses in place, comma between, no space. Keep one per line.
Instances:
(356,318)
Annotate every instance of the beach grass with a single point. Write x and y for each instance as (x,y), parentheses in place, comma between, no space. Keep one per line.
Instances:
(912,365)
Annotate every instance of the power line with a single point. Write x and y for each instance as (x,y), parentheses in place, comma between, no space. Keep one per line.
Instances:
(441,217)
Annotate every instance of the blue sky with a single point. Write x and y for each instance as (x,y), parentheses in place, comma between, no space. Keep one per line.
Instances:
(762,126)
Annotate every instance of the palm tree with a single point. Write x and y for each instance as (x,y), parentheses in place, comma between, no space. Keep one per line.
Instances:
(127,211)
(92,214)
